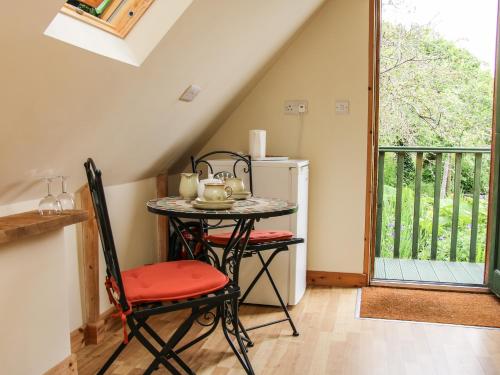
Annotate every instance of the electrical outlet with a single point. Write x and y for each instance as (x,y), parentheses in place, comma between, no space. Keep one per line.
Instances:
(295,107)
(288,107)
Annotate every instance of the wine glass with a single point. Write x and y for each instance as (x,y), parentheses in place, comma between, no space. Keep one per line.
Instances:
(49,205)
(65,199)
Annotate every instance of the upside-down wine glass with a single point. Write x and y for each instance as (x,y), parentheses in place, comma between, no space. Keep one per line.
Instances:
(65,199)
(49,205)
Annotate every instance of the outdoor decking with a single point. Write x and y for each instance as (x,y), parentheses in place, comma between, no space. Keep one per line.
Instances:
(429,270)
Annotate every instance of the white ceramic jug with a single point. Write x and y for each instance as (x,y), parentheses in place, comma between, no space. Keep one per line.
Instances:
(188,187)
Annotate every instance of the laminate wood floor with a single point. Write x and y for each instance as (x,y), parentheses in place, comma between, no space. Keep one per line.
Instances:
(332,341)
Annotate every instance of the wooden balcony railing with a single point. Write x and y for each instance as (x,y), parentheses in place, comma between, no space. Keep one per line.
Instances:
(436,155)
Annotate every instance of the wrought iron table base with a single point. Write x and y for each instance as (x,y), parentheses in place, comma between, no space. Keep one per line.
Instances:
(229,265)
(232,254)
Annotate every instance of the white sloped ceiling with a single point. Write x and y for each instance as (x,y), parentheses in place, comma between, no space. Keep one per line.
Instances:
(60,104)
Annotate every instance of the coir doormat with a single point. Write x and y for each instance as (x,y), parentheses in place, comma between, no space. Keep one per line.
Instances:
(470,309)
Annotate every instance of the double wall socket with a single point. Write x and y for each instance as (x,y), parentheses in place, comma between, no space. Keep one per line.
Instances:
(295,107)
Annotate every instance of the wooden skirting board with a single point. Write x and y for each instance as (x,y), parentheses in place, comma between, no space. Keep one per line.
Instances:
(66,367)
(340,279)
(107,323)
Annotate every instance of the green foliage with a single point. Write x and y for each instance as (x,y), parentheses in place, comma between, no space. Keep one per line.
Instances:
(429,172)
(425,226)
(84,7)
(88,9)
(432,92)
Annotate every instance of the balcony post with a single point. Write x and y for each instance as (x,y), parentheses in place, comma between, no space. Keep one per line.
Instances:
(456,206)
(475,207)
(416,205)
(399,203)
(380,203)
(436,204)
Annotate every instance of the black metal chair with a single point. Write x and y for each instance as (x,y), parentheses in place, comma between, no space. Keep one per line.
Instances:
(143,292)
(259,241)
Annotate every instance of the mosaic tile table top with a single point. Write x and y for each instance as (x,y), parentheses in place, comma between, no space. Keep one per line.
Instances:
(254,207)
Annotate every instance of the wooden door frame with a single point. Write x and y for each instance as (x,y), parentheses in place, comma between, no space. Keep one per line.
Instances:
(372,138)
(372,160)
(494,188)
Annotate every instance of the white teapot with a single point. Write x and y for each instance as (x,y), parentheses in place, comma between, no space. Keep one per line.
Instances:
(209,180)
(217,192)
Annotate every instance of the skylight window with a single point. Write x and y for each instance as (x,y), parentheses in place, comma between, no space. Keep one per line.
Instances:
(123,30)
(117,17)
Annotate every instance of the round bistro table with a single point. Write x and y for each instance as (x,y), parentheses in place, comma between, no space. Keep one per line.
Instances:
(248,209)
(242,215)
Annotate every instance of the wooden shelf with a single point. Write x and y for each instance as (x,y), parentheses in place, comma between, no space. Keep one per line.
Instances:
(26,224)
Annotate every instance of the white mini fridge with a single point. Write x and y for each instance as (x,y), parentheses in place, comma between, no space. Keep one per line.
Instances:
(288,180)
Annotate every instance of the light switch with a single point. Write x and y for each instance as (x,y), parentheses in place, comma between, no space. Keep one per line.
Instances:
(190,93)
(342,107)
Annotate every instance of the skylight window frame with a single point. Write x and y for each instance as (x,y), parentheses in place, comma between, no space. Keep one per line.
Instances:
(127,15)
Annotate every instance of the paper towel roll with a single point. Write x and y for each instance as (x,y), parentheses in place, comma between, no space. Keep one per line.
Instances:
(257,144)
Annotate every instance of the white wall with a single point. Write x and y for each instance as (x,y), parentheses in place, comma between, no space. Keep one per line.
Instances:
(60,104)
(34,334)
(327,61)
(134,230)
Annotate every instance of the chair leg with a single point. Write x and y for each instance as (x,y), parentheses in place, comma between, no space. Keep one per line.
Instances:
(265,269)
(158,357)
(111,359)
(179,334)
(229,314)
(118,350)
(166,351)
(276,291)
(260,273)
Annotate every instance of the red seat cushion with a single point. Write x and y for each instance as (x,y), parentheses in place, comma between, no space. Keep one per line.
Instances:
(256,236)
(169,281)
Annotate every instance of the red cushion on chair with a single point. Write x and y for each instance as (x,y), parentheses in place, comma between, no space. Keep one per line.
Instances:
(256,236)
(170,281)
